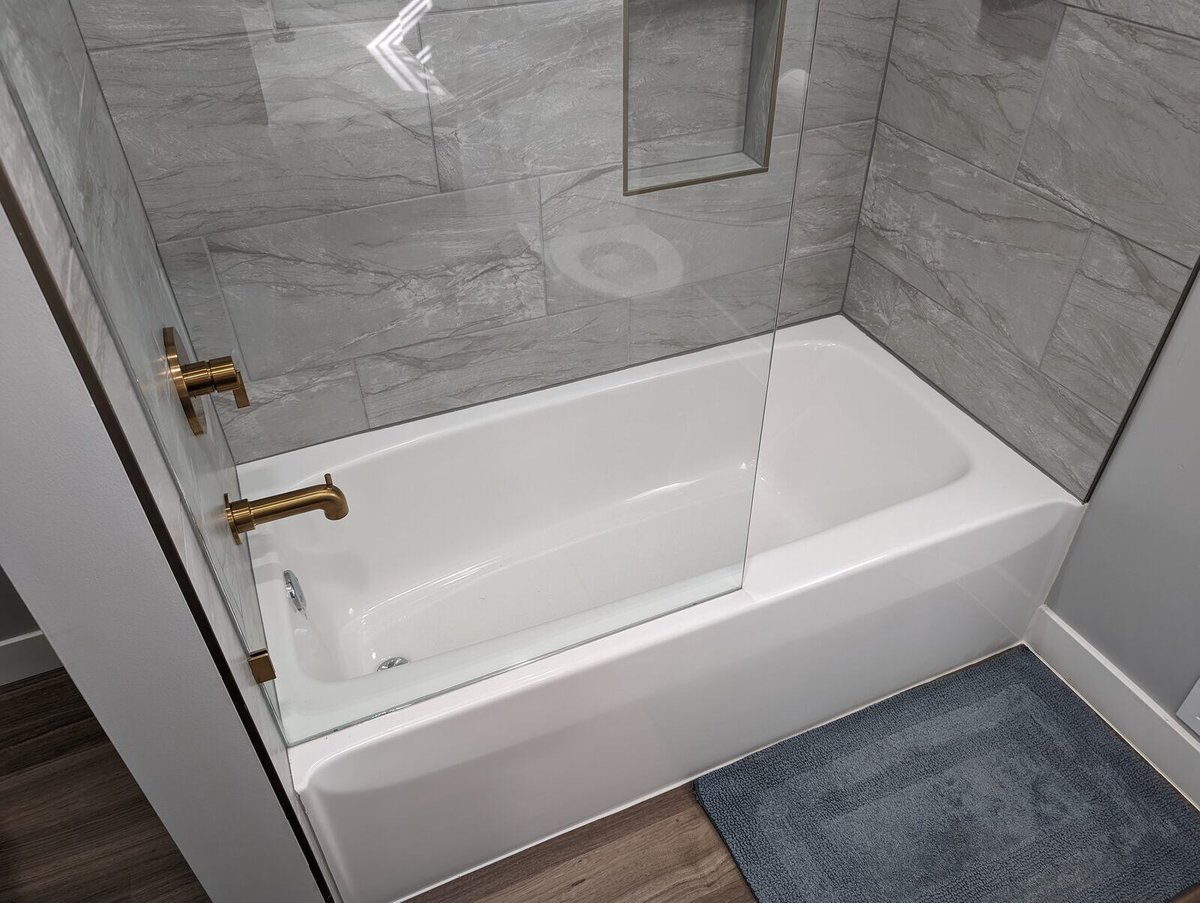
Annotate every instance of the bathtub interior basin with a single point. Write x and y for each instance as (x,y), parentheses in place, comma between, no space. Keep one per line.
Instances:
(489,537)
(892,539)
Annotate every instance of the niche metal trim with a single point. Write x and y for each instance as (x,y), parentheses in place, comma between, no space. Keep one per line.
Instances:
(771,85)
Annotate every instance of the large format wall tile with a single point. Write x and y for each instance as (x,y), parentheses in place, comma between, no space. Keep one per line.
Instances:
(1066,437)
(294,410)
(117,23)
(701,314)
(532,88)
(452,373)
(813,286)
(1180,16)
(829,187)
(1116,311)
(233,132)
(601,245)
(340,286)
(1117,135)
(848,62)
(965,77)
(994,254)
(199,295)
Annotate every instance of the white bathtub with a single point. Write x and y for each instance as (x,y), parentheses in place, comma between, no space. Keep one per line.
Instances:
(892,539)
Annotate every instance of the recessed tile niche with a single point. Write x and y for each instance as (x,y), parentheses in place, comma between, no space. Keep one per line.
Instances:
(700,79)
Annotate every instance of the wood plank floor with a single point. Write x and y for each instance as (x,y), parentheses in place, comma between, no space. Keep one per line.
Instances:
(664,850)
(73,823)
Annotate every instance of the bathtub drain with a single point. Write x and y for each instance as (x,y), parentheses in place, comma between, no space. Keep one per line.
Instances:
(392,662)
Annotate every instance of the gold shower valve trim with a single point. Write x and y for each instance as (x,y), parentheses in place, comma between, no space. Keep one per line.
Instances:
(200,378)
(245,515)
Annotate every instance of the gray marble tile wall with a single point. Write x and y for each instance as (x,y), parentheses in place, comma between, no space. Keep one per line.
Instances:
(1032,209)
(108,265)
(850,53)
(377,240)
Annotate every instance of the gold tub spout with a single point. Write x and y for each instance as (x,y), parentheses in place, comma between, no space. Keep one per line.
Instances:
(246,514)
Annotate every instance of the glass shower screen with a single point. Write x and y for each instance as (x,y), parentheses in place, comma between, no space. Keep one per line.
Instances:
(410,225)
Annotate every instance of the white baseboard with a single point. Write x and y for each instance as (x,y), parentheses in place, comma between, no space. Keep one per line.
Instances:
(1149,728)
(26,655)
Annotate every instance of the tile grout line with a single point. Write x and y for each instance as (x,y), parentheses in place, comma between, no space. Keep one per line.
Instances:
(887,64)
(1160,29)
(1048,198)
(1037,103)
(989,341)
(1066,297)
(362,395)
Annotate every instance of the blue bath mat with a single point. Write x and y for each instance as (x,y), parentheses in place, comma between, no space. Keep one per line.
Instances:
(995,783)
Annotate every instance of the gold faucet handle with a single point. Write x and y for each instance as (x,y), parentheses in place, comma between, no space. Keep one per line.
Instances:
(226,377)
(200,378)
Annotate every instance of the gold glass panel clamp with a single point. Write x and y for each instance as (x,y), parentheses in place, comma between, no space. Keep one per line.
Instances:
(245,514)
(200,378)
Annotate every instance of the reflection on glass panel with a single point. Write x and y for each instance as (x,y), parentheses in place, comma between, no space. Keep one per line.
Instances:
(46,67)
(408,223)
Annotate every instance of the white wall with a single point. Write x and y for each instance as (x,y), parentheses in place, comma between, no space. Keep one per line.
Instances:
(1131,582)
(24,650)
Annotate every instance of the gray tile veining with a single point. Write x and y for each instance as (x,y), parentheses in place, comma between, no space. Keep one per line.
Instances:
(117,23)
(336,287)
(689,67)
(992,253)
(232,132)
(813,286)
(829,187)
(872,295)
(1115,315)
(795,61)
(529,89)
(294,410)
(1117,135)
(701,314)
(40,48)
(601,245)
(848,60)
(965,77)
(1055,429)
(1179,16)
(201,303)
(451,373)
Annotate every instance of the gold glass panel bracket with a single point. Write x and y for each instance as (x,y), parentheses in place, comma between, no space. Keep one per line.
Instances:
(670,140)
(245,515)
(261,666)
(193,379)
